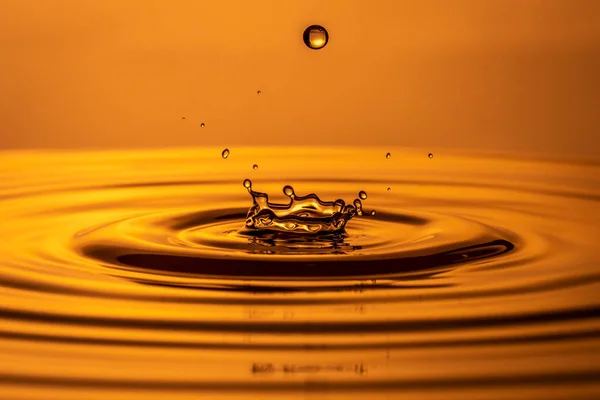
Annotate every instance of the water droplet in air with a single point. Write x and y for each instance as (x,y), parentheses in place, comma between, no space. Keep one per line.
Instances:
(373,212)
(315,37)
(183,118)
(202,125)
(288,190)
(430,155)
(258,92)
(388,155)
(255,166)
(389,189)
(225,153)
(362,194)
(247,183)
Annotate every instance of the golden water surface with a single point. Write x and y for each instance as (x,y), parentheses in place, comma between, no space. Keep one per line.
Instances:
(127,274)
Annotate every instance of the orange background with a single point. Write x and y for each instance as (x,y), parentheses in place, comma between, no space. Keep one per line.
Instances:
(519,75)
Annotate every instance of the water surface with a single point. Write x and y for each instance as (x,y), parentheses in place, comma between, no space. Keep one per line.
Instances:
(130,274)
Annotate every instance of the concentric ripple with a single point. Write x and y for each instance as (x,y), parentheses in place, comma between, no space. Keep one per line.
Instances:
(214,244)
(132,274)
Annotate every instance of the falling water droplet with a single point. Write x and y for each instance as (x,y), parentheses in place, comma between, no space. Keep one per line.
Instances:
(373,212)
(183,118)
(430,155)
(255,166)
(202,125)
(389,189)
(225,153)
(315,37)
(288,190)
(362,194)
(247,183)
(258,92)
(388,155)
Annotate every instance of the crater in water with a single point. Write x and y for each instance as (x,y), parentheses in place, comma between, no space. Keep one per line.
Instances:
(154,272)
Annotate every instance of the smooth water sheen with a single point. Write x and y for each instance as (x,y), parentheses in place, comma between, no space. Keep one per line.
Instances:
(133,275)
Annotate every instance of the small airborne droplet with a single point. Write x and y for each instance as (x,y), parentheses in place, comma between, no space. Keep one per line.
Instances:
(315,37)
(430,155)
(202,125)
(225,153)
(388,155)
(247,183)
(255,166)
(373,212)
(389,189)
(183,118)
(362,194)
(258,92)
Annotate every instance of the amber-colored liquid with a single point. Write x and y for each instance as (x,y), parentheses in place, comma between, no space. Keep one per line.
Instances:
(129,275)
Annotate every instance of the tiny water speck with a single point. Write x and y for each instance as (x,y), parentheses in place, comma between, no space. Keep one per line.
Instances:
(362,194)
(373,212)
(225,153)
(247,183)
(388,155)
(183,118)
(315,37)
(255,166)
(430,155)
(258,92)
(202,125)
(389,189)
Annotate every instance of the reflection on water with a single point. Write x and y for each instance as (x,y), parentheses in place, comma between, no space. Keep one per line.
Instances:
(132,274)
